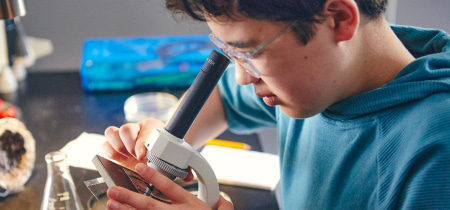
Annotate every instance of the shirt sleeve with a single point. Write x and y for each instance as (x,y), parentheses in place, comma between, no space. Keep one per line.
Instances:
(245,112)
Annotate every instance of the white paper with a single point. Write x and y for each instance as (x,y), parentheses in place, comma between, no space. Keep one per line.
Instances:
(243,167)
(82,150)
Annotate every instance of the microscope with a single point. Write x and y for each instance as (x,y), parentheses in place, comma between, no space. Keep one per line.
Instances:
(167,152)
(13,50)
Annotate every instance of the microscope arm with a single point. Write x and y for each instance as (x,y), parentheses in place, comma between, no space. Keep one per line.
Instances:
(208,188)
(180,155)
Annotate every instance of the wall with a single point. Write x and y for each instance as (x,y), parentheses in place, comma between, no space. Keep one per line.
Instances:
(428,14)
(67,23)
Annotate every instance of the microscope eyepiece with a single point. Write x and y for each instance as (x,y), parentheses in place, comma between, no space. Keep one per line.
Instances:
(197,94)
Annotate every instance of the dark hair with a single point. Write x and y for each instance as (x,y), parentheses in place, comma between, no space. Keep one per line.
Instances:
(308,12)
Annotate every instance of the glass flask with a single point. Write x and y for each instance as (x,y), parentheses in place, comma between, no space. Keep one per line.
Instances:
(60,192)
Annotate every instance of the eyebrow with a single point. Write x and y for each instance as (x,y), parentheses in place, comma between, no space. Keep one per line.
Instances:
(241,45)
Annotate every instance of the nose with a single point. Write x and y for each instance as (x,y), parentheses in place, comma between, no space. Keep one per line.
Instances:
(242,77)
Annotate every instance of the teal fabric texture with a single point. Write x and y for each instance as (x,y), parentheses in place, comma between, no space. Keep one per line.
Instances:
(388,148)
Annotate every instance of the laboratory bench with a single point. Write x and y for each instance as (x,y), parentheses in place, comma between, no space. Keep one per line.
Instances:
(56,110)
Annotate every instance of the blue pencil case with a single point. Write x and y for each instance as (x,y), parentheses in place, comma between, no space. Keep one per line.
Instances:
(143,62)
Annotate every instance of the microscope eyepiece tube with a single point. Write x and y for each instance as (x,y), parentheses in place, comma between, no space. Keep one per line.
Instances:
(197,94)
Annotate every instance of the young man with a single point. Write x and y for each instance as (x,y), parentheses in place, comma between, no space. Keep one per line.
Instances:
(362,108)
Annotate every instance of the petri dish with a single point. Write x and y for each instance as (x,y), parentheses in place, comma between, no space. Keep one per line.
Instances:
(157,105)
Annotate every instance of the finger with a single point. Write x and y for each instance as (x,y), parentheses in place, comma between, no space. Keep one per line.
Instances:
(113,138)
(111,153)
(190,175)
(146,127)
(125,198)
(174,192)
(128,134)
(223,204)
(112,204)
(128,162)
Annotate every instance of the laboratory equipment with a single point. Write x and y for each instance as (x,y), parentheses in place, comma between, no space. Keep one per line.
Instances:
(167,152)
(157,105)
(12,37)
(60,192)
(114,174)
(10,9)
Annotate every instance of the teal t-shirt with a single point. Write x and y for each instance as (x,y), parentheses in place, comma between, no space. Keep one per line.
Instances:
(388,148)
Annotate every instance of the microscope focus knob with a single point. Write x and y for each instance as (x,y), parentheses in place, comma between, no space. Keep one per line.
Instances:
(165,168)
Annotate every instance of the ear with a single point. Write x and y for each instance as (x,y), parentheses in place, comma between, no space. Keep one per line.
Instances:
(344,18)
